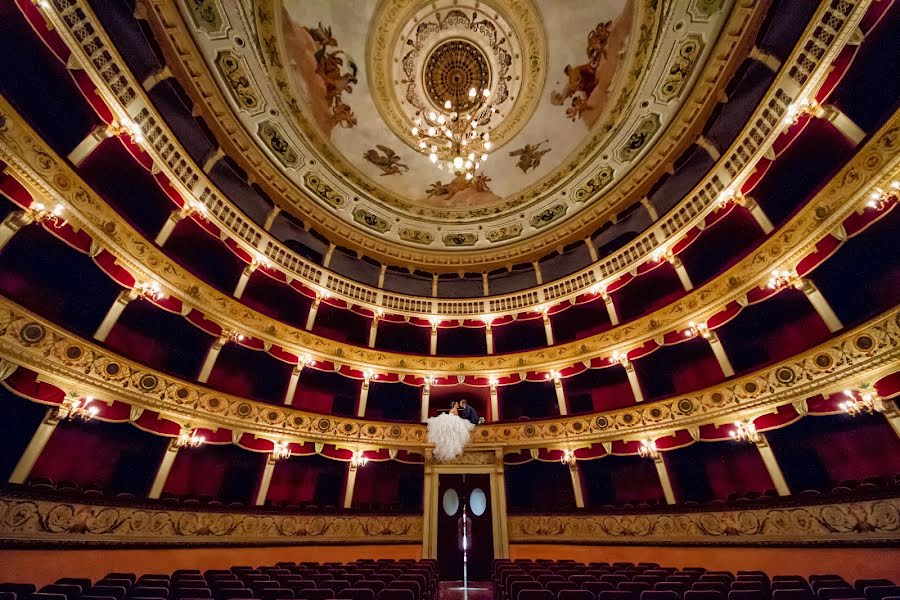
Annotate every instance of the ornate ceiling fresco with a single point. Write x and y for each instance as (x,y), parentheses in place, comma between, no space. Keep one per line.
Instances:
(578,92)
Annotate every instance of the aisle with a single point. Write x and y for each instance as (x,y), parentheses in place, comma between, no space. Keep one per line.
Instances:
(453,590)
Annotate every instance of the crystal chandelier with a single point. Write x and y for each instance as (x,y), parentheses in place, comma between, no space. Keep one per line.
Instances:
(568,457)
(744,432)
(188,438)
(281,450)
(358,460)
(854,406)
(458,137)
(76,408)
(648,449)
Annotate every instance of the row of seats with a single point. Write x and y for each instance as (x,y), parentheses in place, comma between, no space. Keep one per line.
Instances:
(569,580)
(361,580)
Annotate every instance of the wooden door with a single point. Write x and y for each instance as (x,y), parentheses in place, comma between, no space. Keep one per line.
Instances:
(465,499)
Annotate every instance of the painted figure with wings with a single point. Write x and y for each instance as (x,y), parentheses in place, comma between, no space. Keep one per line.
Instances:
(530,155)
(389,162)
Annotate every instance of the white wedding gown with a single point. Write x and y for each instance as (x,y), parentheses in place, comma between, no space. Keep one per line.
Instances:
(449,434)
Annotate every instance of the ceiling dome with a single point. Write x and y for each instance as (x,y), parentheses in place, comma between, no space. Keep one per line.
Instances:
(578,94)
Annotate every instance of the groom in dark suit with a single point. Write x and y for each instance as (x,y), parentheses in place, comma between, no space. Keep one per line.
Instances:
(467,412)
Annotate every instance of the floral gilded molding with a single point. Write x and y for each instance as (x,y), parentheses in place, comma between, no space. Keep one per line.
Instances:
(189,67)
(31,161)
(864,522)
(862,355)
(33,521)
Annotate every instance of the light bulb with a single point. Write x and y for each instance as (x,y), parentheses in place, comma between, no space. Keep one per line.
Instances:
(483,157)
(468,176)
(471,156)
(486,93)
(415,131)
(432,131)
(458,162)
(487,145)
(432,157)
(468,164)
(474,124)
(472,92)
(432,115)
(442,120)
(422,145)
(447,104)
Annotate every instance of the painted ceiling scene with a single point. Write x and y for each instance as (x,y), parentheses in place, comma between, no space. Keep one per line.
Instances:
(536,98)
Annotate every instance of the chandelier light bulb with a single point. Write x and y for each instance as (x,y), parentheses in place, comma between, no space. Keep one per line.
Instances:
(486,93)
(442,119)
(447,105)
(472,92)
(468,176)
(458,162)
(415,131)
(432,157)
(432,131)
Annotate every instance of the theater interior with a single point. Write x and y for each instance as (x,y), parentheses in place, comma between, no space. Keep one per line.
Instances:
(254,253)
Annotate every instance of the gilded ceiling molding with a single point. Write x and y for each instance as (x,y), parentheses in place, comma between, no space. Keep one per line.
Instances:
(858,357)
(31,161)
(37,521)
(691,211)
(185,61)
(872,522)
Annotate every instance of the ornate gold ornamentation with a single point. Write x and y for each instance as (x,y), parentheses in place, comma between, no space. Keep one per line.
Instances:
(235,74)
(323,190)
(275,141)
(506,232)
(205,14)
(453,68)
(639,138)
(704,9)
(416,236)
(142,387)
(460,238)
(681,67)
(30,160)
(548,215)
(593,186)
(170,30)
(371,220)
(864,521)
(55,522)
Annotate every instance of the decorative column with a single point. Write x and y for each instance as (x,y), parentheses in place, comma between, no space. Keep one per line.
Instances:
(820,304)
(548,328)
(622,359)
(326,261)
(373,328)
(166,230)
(351,485)
(270,218)
(432,347)
(213,354)
(152,80)
(592,250)
(757,213)
(610,308)
(426,398)
(245,279)
(664,480)
(695,329)
(495,404)
(651,210)
(311,317)
(681,272)
(489,335)
(768,457)
(90,143)
(841,122)
(710,148)
(485,287)
(434,285)
(162,473)
(577,487)
(115,311)
(266,481)
(771,62)
(36,445)
(212,159)
(560,394)
(381,273)
(292,384)
(537,272)
(363,395)
(11,225)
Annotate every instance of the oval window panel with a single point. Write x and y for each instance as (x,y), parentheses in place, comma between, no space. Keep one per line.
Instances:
(478,502)
(451,502)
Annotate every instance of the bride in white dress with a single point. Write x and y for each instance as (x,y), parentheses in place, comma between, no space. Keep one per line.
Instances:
(449,433)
